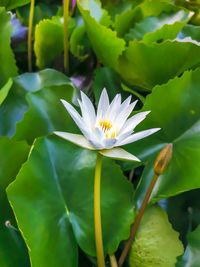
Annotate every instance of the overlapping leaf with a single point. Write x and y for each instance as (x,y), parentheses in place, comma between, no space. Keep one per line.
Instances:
(58,178)
(180,125)
(34,101)
(166,26)
(141,64)
(100,36)
(191,255)
(11,4)
(7,67)
(49,40)
(127,19)
(12,249)
(147,65)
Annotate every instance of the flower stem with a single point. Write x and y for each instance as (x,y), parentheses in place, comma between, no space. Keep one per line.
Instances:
(97,212)
(30,30)
(160,165)
(113,261)
(137,220)
(66,41)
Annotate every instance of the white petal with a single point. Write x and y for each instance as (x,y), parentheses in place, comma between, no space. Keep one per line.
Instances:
(118,153)
(122,137)
(124,114)
(126,103)
(137,136)
(87,109)
(76,117)
(103,103)
(77,139)
(113,109)
(132,122)
(109,143)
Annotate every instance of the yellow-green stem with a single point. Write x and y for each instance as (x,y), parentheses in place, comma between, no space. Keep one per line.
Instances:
(97,212)
(30,30)
(113,261)
(66,41)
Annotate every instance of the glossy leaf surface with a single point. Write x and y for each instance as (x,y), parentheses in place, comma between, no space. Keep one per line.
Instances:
(34,99)
(12,155)
(180,126)
(59,190)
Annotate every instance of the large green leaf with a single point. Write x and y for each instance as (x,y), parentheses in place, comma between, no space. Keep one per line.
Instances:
(175,108)
(12,249)
(191,255)
(34,101)
(56,184)
(141,65)
(7,67)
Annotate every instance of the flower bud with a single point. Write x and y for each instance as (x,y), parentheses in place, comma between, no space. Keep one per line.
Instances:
(163,159)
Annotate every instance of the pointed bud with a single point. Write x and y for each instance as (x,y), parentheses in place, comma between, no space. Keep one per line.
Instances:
(163,159)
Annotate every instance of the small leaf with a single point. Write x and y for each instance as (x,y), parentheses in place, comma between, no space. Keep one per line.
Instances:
(156,243)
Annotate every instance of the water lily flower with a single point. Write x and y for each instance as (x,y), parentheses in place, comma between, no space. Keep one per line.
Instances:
(108,128)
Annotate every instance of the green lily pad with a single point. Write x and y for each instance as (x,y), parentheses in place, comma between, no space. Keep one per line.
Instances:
(59,190)
(156,242)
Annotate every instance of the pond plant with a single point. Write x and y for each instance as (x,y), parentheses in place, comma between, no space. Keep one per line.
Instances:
(99,133)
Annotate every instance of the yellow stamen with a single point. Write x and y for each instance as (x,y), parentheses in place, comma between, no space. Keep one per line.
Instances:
(105,125)
(113,134)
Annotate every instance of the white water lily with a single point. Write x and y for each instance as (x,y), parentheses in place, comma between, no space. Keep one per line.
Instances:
(108,128)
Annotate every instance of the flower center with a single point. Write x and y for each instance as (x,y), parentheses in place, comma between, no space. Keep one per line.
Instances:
(105,125)
(107,128)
